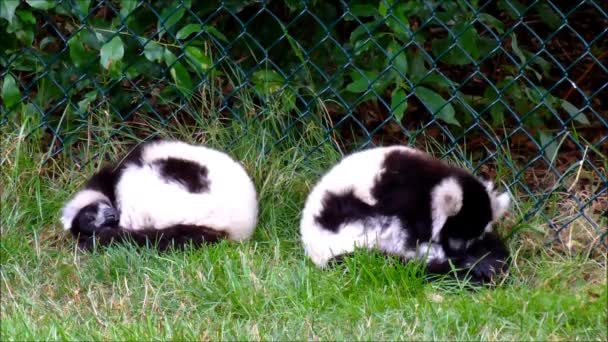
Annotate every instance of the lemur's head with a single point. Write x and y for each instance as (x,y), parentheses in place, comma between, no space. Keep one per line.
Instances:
(88,212)
(464,208)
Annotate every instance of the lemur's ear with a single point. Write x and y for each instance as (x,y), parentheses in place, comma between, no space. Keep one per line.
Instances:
(489,184)
(502,203)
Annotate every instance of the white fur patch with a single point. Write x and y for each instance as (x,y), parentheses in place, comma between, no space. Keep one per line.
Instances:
(430,252)
(356,172)
(500,205)
(500,202)
(147,200)
(102,211)
(488,184)
(79,201)
(427,252)
(446,201)
(368,234)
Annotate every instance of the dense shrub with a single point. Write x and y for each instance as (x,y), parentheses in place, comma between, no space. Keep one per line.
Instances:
(460,60)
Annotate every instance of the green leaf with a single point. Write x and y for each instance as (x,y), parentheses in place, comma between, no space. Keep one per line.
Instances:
(548,16)
(83,6)
(399,58)
(575,113)
(169,17)
(182,79)
(359,83)
(487,46)
(439,107)
(267,76)
(363,10)
(417,68)
(127,6)
(267,82)
(496,108)
(26,16)
(383,7)
(30,110)
(544,65)
(361,37)
(169,57)
(467,38)
(445,53)
(548,144)
(517,50)
(492,21)
(7,10)
(358,33)
(10,91)
(288,99)
(497,112)
(398,103)
(41,4)
(219,35)
(78,53)
(187,30)
(399,23)
(83,105)
(201,60)
(379,84)
(153,51)
(111,52)
(437,80)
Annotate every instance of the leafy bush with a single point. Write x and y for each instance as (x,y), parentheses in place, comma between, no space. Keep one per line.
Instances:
(63,59)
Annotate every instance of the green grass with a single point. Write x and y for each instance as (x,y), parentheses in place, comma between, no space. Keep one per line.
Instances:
(265,288)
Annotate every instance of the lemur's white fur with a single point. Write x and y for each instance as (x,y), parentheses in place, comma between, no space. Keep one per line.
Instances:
(80,200)
(145,199)
(500,203)
(361,170)
(446,200)
(357,172)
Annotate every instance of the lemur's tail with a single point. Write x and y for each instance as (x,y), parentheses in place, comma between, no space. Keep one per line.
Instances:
(178,236)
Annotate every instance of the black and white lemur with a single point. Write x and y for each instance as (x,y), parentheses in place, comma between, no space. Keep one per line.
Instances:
(164,193)
(404,202)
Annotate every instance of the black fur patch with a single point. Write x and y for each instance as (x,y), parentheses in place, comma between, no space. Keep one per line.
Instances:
(475,214)
(342,208)
(178,236)
(135,155)
(107,177)
(188,173)
(404,190)
(104,181)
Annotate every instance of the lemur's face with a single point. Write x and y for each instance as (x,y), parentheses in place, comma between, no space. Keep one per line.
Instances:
(93,217)
(476,218)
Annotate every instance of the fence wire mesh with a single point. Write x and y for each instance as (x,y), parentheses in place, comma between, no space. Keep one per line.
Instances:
(512,84)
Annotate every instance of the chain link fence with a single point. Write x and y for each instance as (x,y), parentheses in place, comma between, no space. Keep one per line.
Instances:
(509,84)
